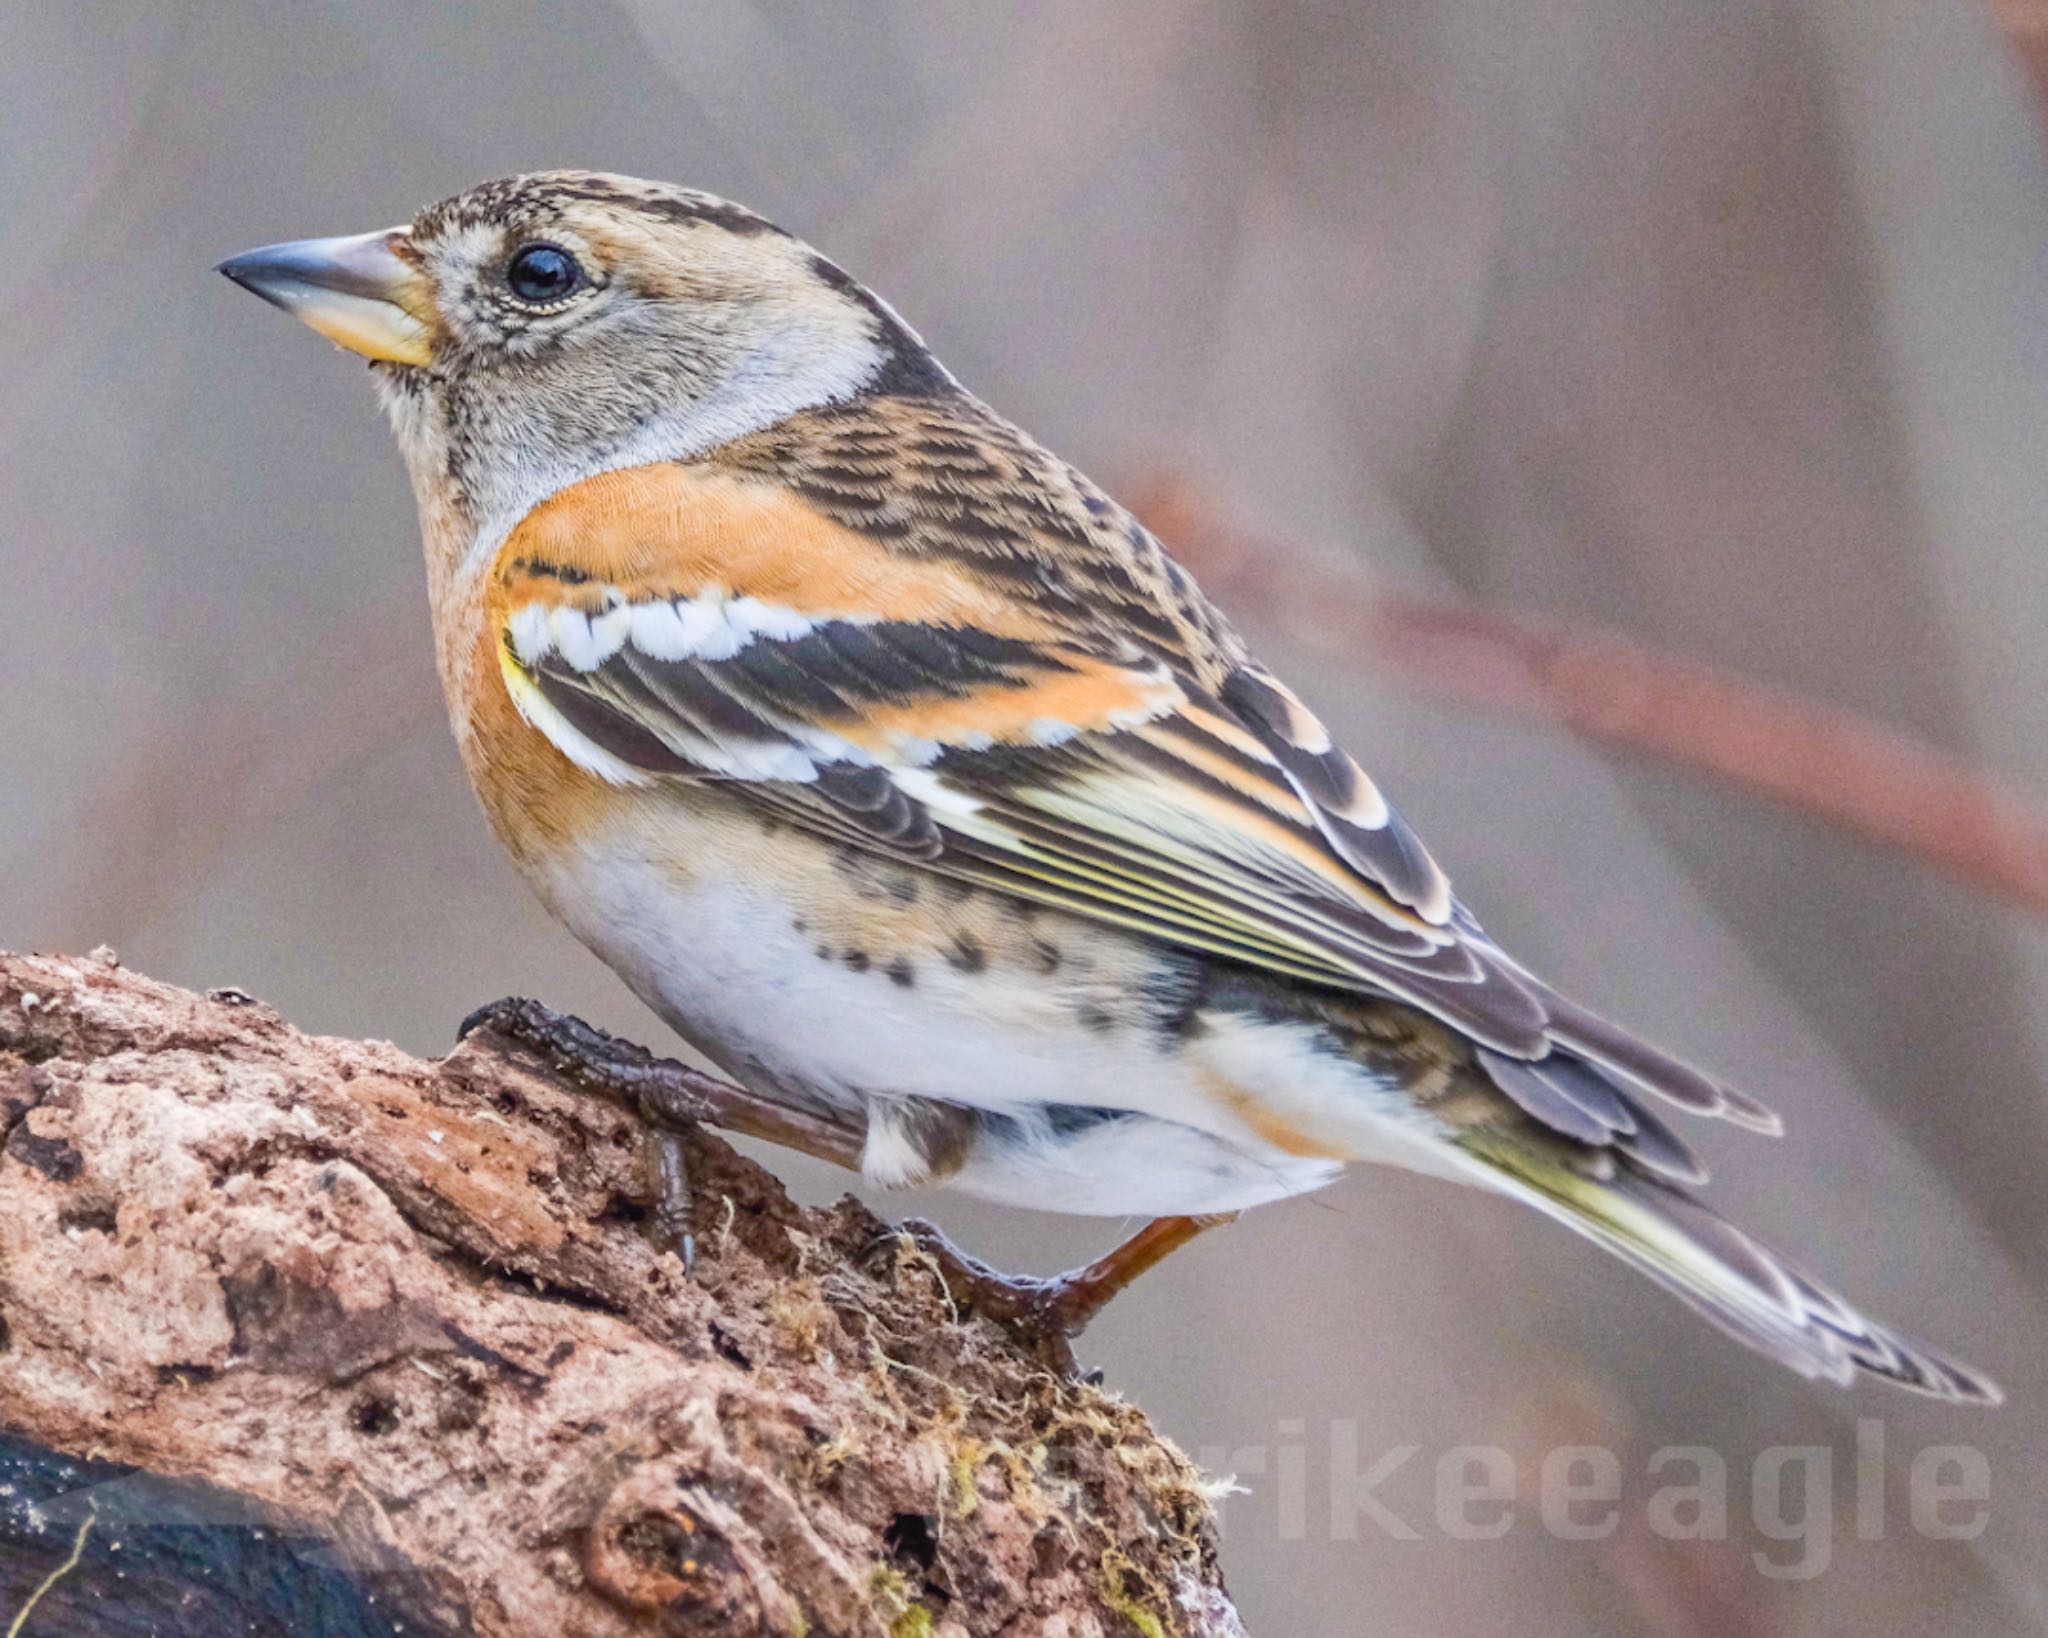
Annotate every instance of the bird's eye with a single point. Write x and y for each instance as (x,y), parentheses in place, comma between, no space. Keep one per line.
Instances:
(542,275)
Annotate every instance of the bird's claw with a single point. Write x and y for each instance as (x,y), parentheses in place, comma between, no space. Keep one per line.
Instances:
(675,1206)
(620,1070)
(1041,1316)
(504,1015)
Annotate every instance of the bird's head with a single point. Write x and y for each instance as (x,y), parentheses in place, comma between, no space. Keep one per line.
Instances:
(532,331)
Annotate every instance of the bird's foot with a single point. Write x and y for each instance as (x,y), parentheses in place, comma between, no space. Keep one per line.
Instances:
(1044,1315)
(670,1098)
(664,1094)
(1041,1316)
(674,1203)
(662,1091)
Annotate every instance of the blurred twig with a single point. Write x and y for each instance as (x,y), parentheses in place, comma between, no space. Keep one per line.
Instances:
(2024,23)
(1827,764)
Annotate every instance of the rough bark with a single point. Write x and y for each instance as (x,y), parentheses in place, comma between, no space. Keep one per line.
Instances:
(401,1316)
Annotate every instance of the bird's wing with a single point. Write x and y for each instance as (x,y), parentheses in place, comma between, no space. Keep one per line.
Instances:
(1141,771)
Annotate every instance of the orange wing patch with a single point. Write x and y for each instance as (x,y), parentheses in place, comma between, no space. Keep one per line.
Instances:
(1093,695)
(674,531)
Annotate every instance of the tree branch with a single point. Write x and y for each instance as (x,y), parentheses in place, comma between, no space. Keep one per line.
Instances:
(400,1315)
(2024,23)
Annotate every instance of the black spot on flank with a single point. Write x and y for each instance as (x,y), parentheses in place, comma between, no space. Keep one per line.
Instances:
(967,954)
(1069,1119)
(901,973)
(1169,998)
(799,926)
(822,951)
(903,890)
(1092,1017)
(857,960)
(1046,954)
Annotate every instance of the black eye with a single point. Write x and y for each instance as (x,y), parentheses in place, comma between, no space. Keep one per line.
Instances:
(542,275)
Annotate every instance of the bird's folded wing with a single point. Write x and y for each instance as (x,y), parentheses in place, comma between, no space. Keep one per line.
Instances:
(1060,765)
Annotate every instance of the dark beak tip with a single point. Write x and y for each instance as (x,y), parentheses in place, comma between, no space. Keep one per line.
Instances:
(249,270)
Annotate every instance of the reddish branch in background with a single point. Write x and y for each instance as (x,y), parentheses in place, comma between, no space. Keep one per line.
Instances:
(1829,765)
(2025,26)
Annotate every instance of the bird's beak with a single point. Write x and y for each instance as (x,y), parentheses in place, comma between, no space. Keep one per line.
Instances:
(359,291)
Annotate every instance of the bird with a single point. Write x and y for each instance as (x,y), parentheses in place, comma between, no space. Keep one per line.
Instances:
(904,773)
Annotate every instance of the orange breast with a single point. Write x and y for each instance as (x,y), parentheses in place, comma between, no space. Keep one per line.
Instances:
(537,800)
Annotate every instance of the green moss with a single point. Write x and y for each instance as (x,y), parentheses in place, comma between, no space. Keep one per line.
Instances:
(907,1617)
(915,1622)
(1121,1601)
(965,1476)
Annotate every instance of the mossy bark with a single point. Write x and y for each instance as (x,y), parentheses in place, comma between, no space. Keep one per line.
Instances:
(386,1334)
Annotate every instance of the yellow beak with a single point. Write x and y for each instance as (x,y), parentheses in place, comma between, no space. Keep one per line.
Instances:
(356,291)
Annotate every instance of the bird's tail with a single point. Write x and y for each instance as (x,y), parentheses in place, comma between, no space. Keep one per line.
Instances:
(1745,1288)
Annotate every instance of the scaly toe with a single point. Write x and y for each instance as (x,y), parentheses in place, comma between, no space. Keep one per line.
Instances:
(1029,1310)
(506,1015)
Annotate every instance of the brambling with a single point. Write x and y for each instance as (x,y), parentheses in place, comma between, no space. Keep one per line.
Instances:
(901,770)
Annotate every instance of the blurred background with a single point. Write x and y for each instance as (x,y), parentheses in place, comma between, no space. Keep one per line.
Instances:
(1717,331)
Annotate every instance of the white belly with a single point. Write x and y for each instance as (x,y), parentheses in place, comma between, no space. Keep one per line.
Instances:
(720,955)
(720,959)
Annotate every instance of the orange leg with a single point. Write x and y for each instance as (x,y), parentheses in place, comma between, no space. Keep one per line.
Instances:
(1045,1315)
